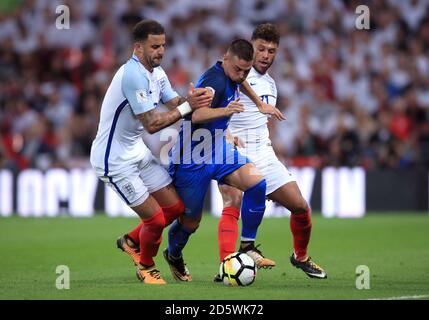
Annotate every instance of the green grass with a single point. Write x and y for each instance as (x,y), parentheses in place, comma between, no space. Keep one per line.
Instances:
(394,246)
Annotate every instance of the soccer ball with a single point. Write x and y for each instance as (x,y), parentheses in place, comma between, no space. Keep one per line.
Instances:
(237,269)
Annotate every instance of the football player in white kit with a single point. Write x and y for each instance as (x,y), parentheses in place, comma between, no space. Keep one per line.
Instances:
(250,134)
(120,157)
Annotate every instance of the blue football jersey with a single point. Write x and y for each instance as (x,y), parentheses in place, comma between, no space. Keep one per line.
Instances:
(199,144)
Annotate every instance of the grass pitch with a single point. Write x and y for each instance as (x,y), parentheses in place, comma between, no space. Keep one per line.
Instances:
(395,247)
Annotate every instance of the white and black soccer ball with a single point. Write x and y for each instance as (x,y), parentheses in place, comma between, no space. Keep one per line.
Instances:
(237,269)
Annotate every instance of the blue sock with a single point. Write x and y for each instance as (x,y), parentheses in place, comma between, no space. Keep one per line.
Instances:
(252,209)
(178,236)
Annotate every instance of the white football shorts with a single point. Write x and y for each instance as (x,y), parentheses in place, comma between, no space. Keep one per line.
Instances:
(264,158)
(134,185)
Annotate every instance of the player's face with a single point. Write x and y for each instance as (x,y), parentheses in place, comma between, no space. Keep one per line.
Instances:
(153,49)
(235,68)
(265,52)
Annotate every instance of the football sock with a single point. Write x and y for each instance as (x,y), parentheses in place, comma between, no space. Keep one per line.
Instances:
(150,237)
(135,233)
(171,213)
(178,236)
(252,209)
(228,231)
(300,225)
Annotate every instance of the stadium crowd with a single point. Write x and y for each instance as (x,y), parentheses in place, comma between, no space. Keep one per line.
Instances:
(351,97)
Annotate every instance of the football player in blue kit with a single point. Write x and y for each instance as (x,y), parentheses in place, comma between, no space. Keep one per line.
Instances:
(202,153)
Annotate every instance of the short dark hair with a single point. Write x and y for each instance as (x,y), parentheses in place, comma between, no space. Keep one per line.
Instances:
(144,28)
(267,32)
(241,48)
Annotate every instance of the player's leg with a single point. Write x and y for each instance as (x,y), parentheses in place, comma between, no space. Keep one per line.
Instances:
(171,205)
(178,236)
(228,222)
(132,190)
(150,234)
(289,196)
(191,187)
(150,239)
(170,202)
(159,184)
(248,179)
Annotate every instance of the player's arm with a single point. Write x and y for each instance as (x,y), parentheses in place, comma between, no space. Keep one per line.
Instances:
(154,121)
(235,141)
(263,107)
(202,97)
(203,115)
(213,112)
(136,89)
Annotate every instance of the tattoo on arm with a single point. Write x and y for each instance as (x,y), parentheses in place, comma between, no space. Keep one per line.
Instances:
(154,121)
(173,103)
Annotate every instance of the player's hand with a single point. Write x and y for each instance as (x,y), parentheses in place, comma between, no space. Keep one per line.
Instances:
(234,107)
(237,142)
(266,108)
(199,97)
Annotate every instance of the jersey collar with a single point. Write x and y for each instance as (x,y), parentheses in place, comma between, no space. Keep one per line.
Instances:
(134,57)
(219,67)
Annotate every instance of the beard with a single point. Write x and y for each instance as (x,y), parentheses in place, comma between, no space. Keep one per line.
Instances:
(154,65)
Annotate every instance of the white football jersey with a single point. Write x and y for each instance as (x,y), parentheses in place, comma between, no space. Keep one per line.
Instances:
(251,122)
(133,90)
(251,127)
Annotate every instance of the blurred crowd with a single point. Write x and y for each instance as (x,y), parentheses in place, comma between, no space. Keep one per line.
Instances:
(351,97)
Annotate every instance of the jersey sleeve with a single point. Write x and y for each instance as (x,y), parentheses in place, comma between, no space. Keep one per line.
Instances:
(135,87)
(167,92)
(217,84)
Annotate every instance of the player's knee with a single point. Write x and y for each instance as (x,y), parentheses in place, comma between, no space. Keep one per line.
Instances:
(176,209)
(236,199)
(254,197)
(180,206)
(190,223)
(232,198)
(300,206)
(260,187)
(157,221)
